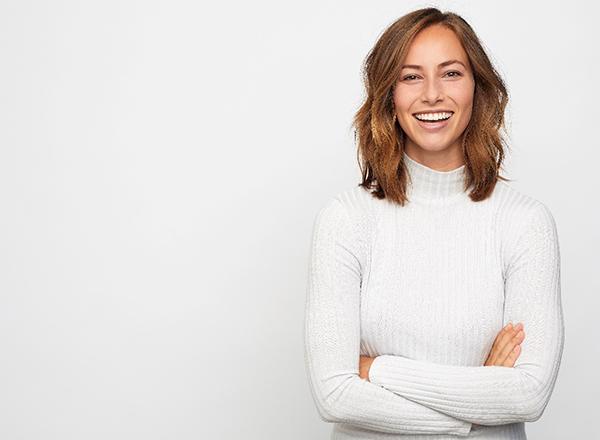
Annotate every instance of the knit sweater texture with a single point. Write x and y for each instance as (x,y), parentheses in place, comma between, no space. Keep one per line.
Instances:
(424,289)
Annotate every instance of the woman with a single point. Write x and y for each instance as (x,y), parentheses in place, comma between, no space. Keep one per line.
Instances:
(416,273)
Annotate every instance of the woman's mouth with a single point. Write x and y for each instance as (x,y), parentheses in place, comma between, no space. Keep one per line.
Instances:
(433,122)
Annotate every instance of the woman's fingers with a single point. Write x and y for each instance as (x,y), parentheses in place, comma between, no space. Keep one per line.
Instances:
(510,345)
(503,351)
(512,356)
(499,341)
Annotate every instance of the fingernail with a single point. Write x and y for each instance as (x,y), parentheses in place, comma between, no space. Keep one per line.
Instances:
(519,326)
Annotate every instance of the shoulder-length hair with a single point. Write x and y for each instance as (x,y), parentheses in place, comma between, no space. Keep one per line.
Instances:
(380,137)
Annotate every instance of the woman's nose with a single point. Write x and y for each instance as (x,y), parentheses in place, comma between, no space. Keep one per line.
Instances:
(433,91)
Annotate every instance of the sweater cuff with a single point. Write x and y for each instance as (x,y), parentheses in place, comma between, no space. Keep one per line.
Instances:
(375,371)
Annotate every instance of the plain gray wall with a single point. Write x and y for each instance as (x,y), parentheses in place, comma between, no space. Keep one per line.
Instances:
(161,164)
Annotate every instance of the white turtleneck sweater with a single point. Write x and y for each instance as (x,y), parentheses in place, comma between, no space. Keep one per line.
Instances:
(425,289)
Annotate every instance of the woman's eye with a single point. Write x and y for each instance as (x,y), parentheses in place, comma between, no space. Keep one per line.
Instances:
(455,72)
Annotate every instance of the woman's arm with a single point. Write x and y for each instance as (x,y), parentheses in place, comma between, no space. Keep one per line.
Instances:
(494,395)
(332,339)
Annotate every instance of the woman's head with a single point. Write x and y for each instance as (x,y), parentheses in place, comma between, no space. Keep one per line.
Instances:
(435,80)
(404,74)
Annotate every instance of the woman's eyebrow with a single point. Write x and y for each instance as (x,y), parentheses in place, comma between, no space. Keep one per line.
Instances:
(444,64)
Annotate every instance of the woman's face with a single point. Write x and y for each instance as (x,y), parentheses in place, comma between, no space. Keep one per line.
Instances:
(431,85)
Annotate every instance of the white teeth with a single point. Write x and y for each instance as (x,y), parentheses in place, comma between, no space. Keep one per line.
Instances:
(433,116)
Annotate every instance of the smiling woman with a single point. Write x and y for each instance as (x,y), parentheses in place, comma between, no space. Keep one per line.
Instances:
(417,274)
(433,101)
(430,62)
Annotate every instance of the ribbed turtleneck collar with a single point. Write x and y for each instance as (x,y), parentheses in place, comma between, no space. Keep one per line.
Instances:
(429,185)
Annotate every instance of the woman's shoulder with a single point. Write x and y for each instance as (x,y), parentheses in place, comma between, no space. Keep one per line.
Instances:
(345,217)
(356,202)
(356,199)
(352,207)
(518,210)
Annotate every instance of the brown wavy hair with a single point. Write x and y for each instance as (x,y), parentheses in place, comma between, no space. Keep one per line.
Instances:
(380,137)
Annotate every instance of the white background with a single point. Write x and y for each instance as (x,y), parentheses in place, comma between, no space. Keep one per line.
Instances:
(161,164)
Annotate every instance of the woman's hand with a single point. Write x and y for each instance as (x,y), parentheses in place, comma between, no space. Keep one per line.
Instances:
(364,365)
(506,348)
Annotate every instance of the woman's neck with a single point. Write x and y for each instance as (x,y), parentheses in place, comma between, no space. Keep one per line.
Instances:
(429,185)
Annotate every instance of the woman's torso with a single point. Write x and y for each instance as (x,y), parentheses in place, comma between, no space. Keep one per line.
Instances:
(433,289)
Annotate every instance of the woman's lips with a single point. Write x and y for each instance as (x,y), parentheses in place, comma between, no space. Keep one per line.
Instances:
(433,126)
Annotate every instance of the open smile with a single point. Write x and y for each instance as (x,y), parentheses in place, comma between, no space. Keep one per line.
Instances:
(433,122)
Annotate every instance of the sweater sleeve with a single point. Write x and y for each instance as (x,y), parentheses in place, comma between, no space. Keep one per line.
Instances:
(332,339)
(494,395)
